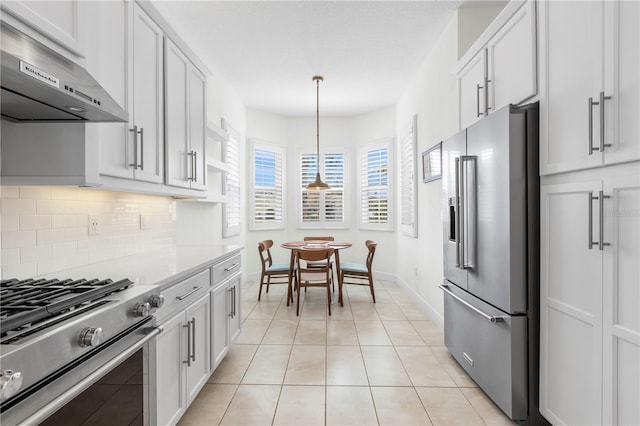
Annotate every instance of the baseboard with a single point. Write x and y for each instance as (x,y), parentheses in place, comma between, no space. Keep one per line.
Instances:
(427,308)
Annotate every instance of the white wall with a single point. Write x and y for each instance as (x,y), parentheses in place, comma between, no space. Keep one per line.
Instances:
(297,135)
(432,95)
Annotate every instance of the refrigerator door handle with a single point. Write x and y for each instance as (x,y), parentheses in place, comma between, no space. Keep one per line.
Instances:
(463,207)
(460,195)
(456,215)
(491,318)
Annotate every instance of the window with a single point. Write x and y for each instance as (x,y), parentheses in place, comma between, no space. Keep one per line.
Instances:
(267,186)
(375,186)
(322,209)
(408,188)
(231,185)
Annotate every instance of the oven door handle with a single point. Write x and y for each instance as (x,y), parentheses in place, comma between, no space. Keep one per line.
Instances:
(67,396)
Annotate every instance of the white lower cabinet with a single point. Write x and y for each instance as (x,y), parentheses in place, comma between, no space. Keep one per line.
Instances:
(590,297)
(180,358)
(226,317)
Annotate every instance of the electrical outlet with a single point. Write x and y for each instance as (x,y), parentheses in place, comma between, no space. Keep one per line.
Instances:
(144,221)
(94,225)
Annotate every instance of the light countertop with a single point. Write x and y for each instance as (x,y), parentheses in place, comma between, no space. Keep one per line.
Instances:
(156,267)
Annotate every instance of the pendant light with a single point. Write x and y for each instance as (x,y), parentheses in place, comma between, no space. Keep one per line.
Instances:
(318,183)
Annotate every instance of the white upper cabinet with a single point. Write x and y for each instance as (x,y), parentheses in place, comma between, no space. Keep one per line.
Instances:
(500,68)
(471,86)
(511,60)
(146,122)
(131,71)
(589,64)
(184,121)
(58,24)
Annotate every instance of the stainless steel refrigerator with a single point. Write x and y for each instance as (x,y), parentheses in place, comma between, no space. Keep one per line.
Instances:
(491,256)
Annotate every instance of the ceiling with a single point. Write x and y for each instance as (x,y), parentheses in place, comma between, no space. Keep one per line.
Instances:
(268,51)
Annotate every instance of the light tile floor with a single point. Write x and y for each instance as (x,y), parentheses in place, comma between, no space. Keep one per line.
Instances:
(366,364)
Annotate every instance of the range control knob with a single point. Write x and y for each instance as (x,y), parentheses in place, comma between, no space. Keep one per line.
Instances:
(141,309)
(90,336)
(10,383)
(156,300)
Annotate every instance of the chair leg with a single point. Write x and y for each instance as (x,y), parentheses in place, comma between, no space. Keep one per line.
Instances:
(260,289)
(268,282)
(298,303)
(373,295)
(329,298)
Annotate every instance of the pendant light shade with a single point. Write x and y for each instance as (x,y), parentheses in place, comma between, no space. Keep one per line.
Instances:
(318,184)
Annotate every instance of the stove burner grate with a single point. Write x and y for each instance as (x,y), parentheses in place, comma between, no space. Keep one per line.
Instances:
(24,302)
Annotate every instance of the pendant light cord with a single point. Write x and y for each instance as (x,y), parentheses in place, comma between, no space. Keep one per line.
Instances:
(317,125)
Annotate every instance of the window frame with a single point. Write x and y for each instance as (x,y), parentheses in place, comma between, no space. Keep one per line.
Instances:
(363,186)
(278,149)
(323,223)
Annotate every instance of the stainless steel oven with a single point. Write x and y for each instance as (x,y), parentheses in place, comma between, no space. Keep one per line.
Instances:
(75,351)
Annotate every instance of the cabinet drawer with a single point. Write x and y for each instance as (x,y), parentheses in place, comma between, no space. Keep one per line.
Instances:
(494,354)
(181,295)
(226,269)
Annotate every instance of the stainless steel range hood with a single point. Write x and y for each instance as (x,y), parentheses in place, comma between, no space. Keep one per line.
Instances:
(39,85)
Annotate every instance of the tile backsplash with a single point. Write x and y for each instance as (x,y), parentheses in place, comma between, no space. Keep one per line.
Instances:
(46,229)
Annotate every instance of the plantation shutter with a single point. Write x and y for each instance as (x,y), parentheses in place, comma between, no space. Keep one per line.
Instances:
(319,208)
(408,190)
(374,187)
(231,222)
(267,202)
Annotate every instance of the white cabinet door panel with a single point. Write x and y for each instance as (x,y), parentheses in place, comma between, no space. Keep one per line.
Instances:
(572,69)
(622,81)
(471,90)
(176,125)
(571,307)
(220,330)
(197,124)
(198,314)
(512,60)
(148,106)
(169,389)
(621,298)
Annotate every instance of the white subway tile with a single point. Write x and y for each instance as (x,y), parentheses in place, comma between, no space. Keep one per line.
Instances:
(79,259)
(10,223)
(9,257)
(50,207)
(69,221)
(35,222)
(76,234)
(9,192)
(35,254)
(49,266)
(50,236)
(21,271)
(35,192)
(17,206)
(18,239)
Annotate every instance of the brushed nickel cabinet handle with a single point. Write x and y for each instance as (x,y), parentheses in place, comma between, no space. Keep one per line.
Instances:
(602,144)
(590,242)
(478,113)
(591,147)
(601,242)
(135,147)
(141,148)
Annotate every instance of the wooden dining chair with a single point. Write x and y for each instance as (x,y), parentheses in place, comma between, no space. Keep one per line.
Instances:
(359,274)
(317,276)
(321,264)
(272,271)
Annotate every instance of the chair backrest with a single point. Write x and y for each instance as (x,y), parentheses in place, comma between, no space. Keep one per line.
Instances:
(371,246)
(265,253)
(319,238)
(314,255)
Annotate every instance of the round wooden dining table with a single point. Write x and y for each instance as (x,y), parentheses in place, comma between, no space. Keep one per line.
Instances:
(295,246)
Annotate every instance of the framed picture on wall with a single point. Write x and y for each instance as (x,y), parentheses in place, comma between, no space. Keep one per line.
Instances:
(432,163)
